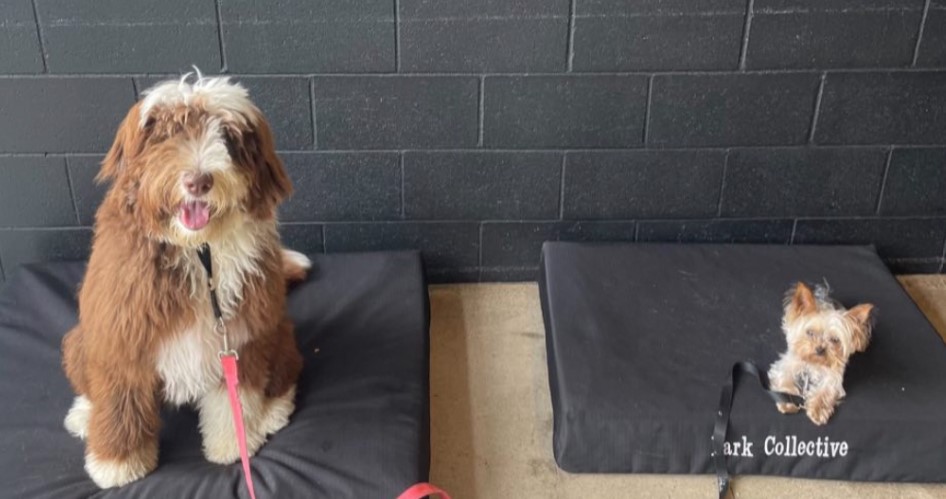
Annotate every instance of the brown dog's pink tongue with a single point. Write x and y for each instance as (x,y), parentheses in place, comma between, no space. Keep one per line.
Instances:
(195,214)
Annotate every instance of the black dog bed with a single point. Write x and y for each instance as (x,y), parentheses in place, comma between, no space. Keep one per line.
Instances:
(641,338)
(361,424)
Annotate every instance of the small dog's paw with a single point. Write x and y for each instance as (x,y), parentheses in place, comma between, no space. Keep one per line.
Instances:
(819,414)
(115,473)
(77,420)
(786,407)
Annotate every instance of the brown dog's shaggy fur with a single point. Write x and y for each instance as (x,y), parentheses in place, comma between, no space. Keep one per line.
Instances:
(192,163)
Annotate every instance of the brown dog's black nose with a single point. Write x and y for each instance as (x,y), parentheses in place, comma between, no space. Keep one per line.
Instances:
(198,185)
(820,351)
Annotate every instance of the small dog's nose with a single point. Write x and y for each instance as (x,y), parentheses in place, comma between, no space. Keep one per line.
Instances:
(820,350)
(198,185)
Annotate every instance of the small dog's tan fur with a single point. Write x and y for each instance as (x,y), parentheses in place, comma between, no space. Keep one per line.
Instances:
(821,337)
(145,335)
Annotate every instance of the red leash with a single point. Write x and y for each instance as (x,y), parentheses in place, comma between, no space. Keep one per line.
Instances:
(229,362)
(229,358)
(421,490)
(230,372)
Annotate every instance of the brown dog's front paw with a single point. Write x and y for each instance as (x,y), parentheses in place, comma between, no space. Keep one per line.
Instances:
(278,411)
(77,420)
(786,407)
(819,413)
(108,473)
(216,425)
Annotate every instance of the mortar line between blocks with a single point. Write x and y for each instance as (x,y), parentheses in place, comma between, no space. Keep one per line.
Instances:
(403,203)
(942,257)
(315,131)
(39,36)
(637,231)
(506,150)
(817,112)
(447,75)
(650,98)
(51,228)
(553,221)
(72,191)
(883,181)
(561,194)
(745,36)
(223,51)
(481,112)
(480,246)
(397,36)
(794,229)
(722,185)
(134,88)
(570,42)
(920,31)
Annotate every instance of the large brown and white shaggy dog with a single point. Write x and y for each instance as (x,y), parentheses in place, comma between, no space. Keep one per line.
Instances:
(192,163)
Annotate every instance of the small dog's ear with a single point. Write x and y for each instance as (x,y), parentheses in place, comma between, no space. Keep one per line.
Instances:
(800,302)
(862,316)
(129,140)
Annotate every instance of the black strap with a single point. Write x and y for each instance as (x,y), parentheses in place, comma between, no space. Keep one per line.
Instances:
(725,409)
(204,254)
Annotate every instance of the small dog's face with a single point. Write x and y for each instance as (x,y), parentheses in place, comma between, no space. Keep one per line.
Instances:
(820,332)
(192,161)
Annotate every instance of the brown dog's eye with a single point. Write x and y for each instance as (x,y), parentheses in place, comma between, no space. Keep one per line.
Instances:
(230,142)
(810,333)
(835,341)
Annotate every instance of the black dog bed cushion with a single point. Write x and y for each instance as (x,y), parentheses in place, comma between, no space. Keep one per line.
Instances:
(641,338)
(361,424)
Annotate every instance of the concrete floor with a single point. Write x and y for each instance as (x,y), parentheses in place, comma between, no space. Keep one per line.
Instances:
(491,418)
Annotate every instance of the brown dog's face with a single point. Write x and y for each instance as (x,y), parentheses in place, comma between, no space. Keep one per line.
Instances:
(193,161)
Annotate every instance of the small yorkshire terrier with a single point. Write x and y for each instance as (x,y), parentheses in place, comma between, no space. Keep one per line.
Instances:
(822,335)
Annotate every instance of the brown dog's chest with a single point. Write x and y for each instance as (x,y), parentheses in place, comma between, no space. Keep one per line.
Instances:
(187,358)
(188,364)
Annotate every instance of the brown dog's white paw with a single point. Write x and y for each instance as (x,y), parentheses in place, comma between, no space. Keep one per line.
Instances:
(216,425)
(108,473)
(221,449)
(77,420)
(278,411)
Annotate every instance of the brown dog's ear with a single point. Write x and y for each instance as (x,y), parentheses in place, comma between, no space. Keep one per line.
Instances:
(129,141)
(256,150)
(862,316)
(800,301)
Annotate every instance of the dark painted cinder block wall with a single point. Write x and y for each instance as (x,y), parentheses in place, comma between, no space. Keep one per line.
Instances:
(476,129)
